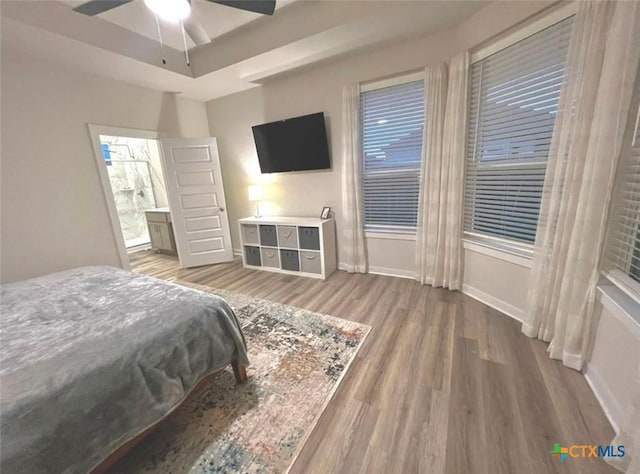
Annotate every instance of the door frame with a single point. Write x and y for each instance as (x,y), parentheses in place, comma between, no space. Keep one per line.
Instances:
(94,132)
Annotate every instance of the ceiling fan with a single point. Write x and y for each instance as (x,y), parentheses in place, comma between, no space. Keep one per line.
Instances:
(95,7)
(178,11)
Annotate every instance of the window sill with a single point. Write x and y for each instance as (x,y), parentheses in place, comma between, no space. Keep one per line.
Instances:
(520,255)
(620,304)
(390,235)
(623,283)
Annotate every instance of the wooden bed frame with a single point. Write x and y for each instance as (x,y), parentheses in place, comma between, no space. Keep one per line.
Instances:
(240,373)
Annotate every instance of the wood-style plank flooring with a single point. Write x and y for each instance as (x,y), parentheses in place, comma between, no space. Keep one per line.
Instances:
(443,383)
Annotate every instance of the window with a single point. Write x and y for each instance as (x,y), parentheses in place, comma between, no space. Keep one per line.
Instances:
(513,103)
(623,249)
(392,119)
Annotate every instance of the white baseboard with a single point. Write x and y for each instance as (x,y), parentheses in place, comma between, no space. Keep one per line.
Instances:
(392,272)
(495,303)
(237,252)
(609,404)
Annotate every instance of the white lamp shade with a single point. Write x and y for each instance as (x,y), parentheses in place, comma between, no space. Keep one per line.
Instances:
(255,192)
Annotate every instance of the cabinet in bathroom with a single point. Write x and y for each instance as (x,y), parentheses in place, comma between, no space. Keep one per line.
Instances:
(161,230)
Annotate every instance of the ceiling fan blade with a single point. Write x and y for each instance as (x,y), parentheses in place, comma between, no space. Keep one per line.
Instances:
(94,7)
(196,30)
(266,7)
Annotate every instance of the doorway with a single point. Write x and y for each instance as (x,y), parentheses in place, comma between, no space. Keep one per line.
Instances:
(133,167)
(132,157)
(137,183)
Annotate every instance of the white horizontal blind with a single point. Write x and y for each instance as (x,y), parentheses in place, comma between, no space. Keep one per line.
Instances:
(513,103)
(392,124)
(623,251)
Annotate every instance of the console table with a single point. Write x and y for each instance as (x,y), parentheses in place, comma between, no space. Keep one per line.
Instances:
(303,246)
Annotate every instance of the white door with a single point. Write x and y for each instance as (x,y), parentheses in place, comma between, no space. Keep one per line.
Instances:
(196,201)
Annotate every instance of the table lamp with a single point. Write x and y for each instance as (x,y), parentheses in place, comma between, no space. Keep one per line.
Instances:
(255,195)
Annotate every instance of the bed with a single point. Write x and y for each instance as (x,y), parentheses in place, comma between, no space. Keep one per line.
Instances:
(91,358)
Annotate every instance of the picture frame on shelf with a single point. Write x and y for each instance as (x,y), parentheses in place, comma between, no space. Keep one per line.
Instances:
(326,213)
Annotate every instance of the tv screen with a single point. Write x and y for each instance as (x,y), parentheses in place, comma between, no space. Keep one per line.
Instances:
(295,144)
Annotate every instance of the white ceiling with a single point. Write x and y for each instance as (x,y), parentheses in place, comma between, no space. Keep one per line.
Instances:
(245,47)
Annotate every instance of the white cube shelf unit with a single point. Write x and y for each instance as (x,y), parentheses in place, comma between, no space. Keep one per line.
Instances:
(304,246)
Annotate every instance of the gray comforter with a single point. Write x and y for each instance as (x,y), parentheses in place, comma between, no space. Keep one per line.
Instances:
(93,356)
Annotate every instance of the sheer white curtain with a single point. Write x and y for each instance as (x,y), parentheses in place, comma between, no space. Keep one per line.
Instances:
(439,233)
(601,68)
(353,246)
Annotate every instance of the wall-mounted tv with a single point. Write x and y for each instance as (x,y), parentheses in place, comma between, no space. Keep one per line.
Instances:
(295,144)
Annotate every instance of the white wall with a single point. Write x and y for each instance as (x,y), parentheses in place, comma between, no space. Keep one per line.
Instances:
(230,122)
(612,370)
(54,215)
(499,281)
(157,174)
(319,89)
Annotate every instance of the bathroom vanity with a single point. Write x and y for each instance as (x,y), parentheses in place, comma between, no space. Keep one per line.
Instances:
(161,230)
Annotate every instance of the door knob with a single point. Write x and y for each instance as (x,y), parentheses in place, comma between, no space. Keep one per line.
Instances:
(221,209)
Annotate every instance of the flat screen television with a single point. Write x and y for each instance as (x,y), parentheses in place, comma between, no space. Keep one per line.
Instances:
(295,144)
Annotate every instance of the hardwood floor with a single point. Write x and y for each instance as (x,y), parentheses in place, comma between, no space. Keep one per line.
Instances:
(443,383)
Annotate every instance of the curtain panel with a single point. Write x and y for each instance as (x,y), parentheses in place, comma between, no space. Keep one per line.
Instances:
(353,246)
(439,232)
(602,63)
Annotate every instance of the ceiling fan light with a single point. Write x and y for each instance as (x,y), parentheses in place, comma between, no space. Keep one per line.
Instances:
(169,10)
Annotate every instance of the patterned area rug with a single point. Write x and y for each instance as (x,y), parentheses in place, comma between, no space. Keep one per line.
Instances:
(297,361)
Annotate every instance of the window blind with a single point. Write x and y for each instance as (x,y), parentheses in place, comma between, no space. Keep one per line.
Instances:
(392,123)
(623,250)
(513,103)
